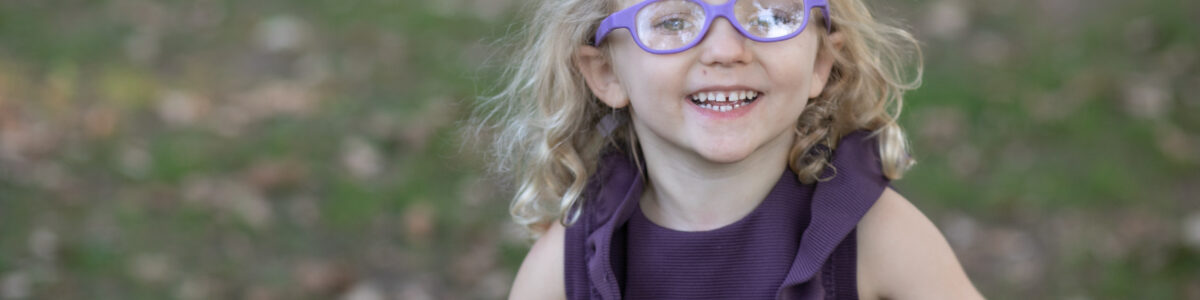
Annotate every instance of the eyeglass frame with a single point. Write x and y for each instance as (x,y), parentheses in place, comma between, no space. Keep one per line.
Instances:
(627,18)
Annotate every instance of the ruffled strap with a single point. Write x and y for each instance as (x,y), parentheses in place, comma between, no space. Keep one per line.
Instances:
(837,206)
(591,274)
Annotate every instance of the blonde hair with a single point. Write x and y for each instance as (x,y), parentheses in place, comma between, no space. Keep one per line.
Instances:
(545,122)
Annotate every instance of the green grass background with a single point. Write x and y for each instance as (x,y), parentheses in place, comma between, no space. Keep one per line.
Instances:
(305,149)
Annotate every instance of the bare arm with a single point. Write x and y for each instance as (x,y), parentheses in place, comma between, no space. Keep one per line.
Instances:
(901,255)
(541,274)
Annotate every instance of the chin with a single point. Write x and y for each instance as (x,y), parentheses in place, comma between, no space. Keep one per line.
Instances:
(725,149)
(724,154)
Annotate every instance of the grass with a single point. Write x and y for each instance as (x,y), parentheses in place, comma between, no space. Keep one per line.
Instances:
(241,200)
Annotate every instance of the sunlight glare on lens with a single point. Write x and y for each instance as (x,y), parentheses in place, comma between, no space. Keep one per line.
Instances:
(668,25)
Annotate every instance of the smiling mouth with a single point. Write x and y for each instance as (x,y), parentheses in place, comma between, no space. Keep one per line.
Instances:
(725,100)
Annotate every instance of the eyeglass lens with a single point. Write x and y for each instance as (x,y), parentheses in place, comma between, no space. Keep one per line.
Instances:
(672,24)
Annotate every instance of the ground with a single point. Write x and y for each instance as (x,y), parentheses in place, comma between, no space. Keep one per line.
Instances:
(279,149)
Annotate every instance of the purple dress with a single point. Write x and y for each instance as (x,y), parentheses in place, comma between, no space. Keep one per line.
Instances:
(799,243)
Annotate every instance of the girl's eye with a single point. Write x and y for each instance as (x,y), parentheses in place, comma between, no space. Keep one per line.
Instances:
(774,19)
(782,19)
(673,24)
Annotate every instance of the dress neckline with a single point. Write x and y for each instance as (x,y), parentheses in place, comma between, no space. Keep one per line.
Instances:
(639,215)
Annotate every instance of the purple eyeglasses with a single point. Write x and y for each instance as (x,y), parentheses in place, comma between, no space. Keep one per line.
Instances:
(672,26)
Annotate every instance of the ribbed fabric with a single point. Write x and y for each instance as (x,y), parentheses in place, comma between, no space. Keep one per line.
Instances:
(798,244)
(743,260)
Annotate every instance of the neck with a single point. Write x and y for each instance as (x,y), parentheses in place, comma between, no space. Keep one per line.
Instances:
(689,193)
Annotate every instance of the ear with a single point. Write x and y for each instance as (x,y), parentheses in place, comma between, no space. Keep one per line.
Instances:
(824,64)
(601,79)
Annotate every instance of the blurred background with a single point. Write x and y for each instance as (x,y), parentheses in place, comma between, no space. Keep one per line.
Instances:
(304,149)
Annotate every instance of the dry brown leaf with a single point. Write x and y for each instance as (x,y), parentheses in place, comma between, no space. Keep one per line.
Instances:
(1147,96)
(360,158)
(151,267)
(947,19)
(281,33)
(323,277)
(43,243)
(272,174)
(940,127)
(364,291)
(182,108)
(1191,230)
(16,285)
(419,221)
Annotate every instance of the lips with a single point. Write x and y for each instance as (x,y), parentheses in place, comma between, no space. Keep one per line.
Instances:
(723,101)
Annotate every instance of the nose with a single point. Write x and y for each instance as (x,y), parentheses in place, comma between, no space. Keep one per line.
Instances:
(724,45)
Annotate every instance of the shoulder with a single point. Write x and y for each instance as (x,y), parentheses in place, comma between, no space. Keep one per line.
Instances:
(902,255)
(541,274)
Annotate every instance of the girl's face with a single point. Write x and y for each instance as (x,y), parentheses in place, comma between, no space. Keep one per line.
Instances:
(720,100)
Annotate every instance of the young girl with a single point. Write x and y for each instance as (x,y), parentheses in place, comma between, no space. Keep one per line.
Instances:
(715,149)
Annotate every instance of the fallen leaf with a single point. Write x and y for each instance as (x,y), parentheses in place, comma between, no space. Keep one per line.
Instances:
(273,174)
(143,46)
(470,267)
(962,231)
(419,221)
(304,210)
(1147,96)
(43,243)
(323,277)
(990,48)
(364,291)
(946,19)
(262,293)
(197,289)
(1178,145)
(181,108)
(1018,258)
(134,160)
(16,285)
(416,291)
(964,160)
(151,267)
(280,33)
(360,158)
(100,122)
(1191,230)
(940,127)
(495,284)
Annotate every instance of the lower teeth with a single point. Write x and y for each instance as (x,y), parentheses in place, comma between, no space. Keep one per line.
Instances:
(722,108)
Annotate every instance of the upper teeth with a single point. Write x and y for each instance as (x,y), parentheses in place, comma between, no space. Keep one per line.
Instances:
(724,96)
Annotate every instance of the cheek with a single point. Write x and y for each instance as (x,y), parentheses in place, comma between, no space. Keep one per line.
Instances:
(649,79)
(792,69)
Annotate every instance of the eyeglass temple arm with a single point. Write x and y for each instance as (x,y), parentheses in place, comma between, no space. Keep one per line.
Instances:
(824,5)
(606,26)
